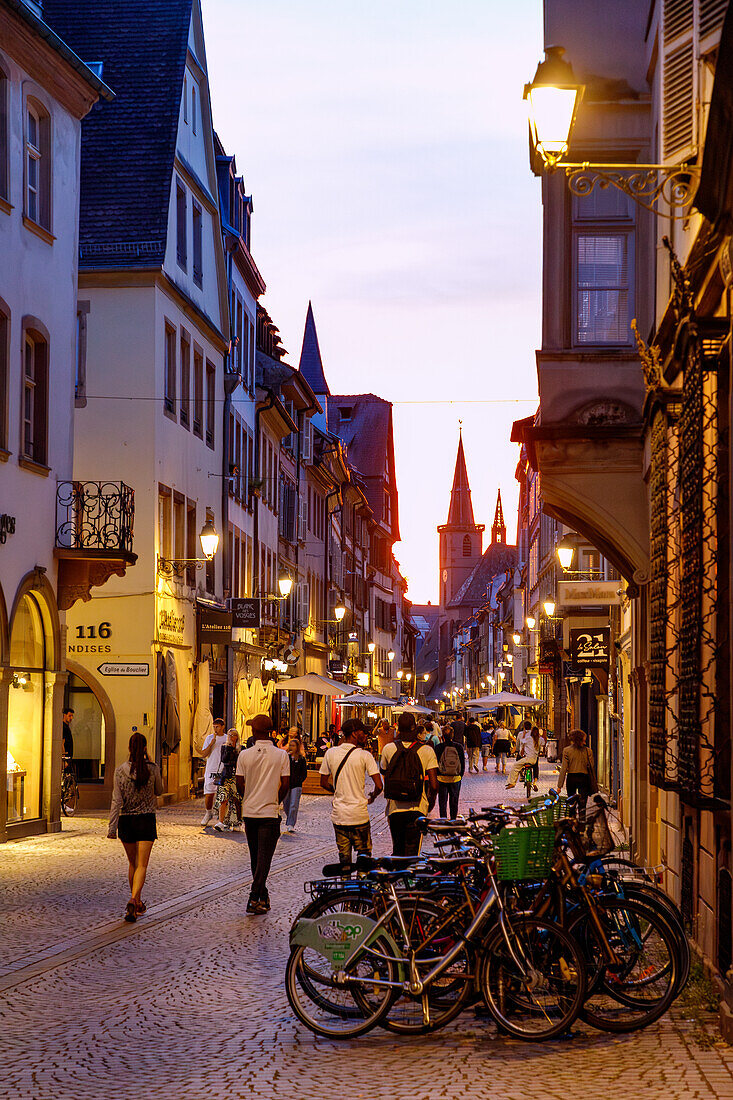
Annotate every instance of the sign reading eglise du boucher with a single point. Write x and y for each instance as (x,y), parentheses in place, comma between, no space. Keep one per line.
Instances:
(124,668)
(590,648)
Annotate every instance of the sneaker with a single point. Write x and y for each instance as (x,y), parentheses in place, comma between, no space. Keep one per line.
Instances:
(290,829)
(221,827)
(206,818)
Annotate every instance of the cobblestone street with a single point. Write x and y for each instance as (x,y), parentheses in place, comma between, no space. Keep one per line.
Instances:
(190,1001)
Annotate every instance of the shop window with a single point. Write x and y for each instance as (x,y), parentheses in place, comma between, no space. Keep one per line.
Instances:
(87,729)
(26,702)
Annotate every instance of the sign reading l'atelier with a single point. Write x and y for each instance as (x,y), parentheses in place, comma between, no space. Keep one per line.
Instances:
(590,648)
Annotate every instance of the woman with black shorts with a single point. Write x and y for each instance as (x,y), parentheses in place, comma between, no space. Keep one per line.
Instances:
(132,816)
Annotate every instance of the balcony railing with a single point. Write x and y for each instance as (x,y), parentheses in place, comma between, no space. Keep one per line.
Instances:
(95,515)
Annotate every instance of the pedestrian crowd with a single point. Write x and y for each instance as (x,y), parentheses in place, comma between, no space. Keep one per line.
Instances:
(251,786)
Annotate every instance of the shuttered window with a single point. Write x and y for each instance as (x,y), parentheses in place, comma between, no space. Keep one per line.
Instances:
(678,18)
(711,16)
(679,116)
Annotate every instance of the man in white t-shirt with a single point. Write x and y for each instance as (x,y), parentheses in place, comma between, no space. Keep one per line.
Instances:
(343,772)
(403,815)
(263,779)
(211,753)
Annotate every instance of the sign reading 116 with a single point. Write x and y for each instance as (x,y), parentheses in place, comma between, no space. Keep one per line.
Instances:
(103,630)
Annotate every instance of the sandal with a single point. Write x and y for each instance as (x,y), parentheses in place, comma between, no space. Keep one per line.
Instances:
(130,914)
(141,908)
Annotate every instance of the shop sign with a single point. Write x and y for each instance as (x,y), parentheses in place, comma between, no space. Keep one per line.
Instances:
(245,612)
(124,668)
(7,526)
(590,648)
(588,593)
(215,627)
(171,627)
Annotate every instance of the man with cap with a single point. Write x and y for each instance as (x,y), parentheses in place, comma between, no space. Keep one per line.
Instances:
(263,779)
(211,752)
(343,772)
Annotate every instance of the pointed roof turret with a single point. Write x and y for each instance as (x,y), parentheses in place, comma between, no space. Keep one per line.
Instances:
(311,366)
(460,513)
(498,527)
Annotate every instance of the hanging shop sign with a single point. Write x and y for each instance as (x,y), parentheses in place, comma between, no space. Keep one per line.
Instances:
(590,648)
(214,626)
(245,612)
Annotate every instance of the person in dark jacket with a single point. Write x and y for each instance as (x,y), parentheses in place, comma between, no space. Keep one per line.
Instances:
(473,744)
(227,797)
(298,773)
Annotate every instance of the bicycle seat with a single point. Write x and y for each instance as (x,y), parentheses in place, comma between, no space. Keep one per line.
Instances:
(450,863)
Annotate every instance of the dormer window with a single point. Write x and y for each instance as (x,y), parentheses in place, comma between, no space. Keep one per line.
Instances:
(345,413)
(193,107)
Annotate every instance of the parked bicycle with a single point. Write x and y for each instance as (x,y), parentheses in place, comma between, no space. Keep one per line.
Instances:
(69,787)
(530,911)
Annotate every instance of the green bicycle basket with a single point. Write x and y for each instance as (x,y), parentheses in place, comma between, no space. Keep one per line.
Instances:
(523,854)
(542,814)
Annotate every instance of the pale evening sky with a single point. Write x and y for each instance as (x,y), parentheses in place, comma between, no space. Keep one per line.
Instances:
(385,146)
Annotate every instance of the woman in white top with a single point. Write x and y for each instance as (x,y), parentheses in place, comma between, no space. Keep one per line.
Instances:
(528,746)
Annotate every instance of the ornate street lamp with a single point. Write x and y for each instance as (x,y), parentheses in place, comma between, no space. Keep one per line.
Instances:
(553,99)
(565,552)
(209,539)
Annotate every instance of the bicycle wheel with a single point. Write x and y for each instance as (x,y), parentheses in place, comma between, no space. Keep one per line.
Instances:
(541,998)
(312,978)
(432,935)
(650,895)
(320,1018)
(645,983)
(69,796)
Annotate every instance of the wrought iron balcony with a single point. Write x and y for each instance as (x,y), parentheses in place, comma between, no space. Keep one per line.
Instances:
(94,534)
(94,515)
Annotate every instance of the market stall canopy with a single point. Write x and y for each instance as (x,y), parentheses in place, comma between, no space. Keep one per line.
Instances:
(369,700)
(315,684)
(413,709)
(503,699)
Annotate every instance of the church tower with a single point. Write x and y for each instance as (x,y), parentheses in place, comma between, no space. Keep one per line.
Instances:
(461,539)
(498,527)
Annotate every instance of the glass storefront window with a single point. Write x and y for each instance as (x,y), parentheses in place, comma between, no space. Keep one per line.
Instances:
(87,729)
(25,712)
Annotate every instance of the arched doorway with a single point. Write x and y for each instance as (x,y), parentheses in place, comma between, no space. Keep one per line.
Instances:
(29,662)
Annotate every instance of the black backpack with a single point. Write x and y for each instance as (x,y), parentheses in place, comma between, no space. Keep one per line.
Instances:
(404,777)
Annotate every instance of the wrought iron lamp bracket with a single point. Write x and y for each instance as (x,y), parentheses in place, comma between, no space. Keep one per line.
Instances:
(176,567)
(665,190)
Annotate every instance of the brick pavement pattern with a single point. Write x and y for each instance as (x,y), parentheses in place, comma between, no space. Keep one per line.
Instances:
(190,1002)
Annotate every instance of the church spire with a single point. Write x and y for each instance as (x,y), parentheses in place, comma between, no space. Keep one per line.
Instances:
(311,366)
(460,513)
(498,527)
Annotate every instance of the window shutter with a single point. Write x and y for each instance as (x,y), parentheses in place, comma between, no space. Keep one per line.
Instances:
(679,131)
(307,453)
(712,14)
(302,520)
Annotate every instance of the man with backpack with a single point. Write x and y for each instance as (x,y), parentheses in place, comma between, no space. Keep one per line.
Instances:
(343,771)
(405,764)
(451,768)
